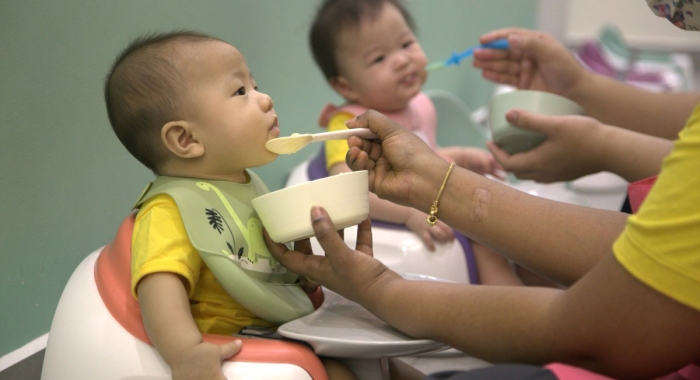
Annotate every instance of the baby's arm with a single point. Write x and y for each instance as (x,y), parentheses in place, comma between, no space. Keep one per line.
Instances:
(477,160)
(168,320)
(413,219)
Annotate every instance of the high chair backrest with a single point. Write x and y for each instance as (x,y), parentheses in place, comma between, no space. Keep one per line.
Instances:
(113,279)
(454,122)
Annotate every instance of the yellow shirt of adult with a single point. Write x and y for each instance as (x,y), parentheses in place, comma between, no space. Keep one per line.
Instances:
(660,245)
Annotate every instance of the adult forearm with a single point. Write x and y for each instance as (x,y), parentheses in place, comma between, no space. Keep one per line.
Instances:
(522,226)
(617,103)
(632,155)
(489,322)
(604,322)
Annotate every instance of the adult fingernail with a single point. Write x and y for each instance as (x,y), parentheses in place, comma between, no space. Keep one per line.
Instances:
(316,214)
(350,122)
(512,116)
(309,280)
(515,39)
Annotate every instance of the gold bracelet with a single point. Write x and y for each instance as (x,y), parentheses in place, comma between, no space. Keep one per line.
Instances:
(432,217)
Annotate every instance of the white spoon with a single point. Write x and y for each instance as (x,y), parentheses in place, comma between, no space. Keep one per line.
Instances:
(292,144)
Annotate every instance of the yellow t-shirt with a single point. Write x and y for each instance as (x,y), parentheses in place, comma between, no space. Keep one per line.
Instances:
(336,150)
(161,244)
(660,245)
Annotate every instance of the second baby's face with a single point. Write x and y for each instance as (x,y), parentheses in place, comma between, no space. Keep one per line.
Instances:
(380,62)
(233,119)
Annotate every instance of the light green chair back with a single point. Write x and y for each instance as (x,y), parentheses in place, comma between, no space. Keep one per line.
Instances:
(454,123)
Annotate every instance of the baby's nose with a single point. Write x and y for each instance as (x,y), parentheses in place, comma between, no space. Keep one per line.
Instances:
(266,102)
(402,60)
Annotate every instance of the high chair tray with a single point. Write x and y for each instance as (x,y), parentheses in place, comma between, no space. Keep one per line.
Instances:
(343,328)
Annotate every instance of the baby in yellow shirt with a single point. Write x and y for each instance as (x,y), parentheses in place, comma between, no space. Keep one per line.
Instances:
(187,106)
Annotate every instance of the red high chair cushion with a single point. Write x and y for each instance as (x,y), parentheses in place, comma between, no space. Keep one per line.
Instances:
(113,279)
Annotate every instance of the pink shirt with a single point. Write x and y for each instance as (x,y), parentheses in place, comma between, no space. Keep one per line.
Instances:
(419,117)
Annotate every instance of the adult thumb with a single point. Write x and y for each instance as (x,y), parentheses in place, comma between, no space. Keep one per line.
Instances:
(325,232)
(531,121)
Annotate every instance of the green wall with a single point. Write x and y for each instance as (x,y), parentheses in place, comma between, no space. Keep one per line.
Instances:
(66,182)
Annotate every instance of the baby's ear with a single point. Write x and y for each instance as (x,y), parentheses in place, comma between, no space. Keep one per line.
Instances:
(179,139)
(344,88)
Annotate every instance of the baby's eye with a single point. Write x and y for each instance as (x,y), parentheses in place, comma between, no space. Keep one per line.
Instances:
(378,59)
(407,44)
(240,91)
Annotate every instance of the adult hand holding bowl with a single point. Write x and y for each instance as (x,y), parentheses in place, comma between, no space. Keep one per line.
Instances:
(516,140)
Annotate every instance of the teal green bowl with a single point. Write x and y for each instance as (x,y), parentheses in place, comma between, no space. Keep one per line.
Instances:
(516,140)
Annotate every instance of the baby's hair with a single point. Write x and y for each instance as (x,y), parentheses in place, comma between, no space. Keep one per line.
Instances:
(145,89)
(333,16)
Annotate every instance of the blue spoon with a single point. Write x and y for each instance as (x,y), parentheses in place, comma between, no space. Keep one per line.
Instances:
(455,58)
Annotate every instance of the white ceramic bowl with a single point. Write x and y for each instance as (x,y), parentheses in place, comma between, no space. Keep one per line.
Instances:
(513,139)
(286,213)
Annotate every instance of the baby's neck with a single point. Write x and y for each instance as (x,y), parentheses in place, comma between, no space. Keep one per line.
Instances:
(384,111)
(239,177)
(197,169)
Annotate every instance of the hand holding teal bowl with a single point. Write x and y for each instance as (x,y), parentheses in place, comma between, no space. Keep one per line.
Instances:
(516,140)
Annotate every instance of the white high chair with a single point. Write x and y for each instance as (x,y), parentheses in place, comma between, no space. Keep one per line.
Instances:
(97,332)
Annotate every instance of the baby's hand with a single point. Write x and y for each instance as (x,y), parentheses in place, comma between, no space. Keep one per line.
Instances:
(440,232)
(203,361)
(477,160)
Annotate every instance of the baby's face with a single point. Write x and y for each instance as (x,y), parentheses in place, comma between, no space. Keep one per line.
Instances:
(381,62)
(233,120)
